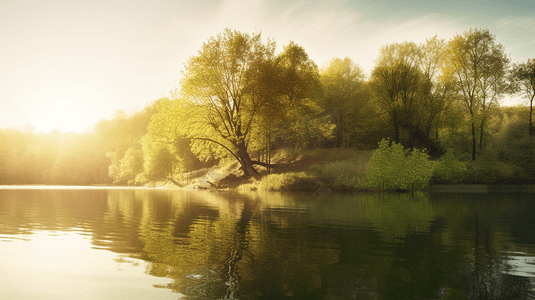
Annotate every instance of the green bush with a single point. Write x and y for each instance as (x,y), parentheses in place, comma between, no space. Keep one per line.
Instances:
(513,145)
(393,167)
(488,170)
(449,170)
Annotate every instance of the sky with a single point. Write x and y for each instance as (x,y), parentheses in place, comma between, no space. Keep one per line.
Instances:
(66,64)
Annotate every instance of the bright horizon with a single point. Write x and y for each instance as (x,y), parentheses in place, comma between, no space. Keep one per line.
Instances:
(65,65)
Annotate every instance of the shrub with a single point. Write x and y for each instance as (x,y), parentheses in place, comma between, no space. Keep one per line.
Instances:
(449,170)
(393,167)
(488,170)
(514,145)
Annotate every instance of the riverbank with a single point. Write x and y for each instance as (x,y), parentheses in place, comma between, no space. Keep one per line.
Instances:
(481,188)
(344,170)
(295,170)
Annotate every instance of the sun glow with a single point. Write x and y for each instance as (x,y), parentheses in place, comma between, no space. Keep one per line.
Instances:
(61,116)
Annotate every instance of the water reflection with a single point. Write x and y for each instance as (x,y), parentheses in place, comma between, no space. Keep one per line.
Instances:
(396,216)
(225,245)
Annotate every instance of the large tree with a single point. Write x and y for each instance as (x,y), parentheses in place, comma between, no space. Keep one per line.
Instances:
(300,122)
(345,97)
(221,92)
(523,77)
(412,91)
(236,96)
(438,86)
(397,83)
(479,66)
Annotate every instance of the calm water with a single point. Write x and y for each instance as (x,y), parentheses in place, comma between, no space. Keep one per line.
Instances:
(158,244)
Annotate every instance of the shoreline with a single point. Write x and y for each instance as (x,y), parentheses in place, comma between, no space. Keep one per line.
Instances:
(481,188)
(435,188)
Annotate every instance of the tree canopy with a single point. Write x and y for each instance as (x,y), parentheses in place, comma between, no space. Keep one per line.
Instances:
(523,80)
(479,66)
(346,99)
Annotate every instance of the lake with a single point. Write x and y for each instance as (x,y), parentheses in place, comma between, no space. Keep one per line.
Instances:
(98,243)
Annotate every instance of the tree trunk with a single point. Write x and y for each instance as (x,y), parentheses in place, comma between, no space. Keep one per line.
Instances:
(245,161)
(396,132)
(481,134)
(174,182)
(531,116)
(473,141)
(340,129)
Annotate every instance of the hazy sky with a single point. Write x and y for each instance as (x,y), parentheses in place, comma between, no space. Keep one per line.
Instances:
(66,64)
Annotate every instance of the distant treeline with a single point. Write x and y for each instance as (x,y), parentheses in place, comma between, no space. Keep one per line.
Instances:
(239,99)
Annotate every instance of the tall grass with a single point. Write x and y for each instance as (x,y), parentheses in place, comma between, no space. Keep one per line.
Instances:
(343,174)
(295,181)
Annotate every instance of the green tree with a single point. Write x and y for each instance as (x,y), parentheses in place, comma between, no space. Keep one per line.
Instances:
(397,85)
(160,161)
(514,145)
(345,98)
(523,79)
(131,165)
(292,112)
(438,90)
(219,85)
(121,133)
(166,147)
(479,66)
(412,92)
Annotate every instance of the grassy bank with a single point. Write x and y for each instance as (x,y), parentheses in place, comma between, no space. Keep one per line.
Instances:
(327,170)
(295,170)
(316,170)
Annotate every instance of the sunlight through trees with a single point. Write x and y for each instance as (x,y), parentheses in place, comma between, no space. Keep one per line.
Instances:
(239,99)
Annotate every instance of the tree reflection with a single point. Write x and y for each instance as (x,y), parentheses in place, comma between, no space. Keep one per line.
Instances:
(236,255)
(487,275)
(230,246)
(433,257)
(277,246)
(395,216)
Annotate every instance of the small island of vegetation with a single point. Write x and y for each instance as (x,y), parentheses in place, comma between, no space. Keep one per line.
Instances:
(246,117)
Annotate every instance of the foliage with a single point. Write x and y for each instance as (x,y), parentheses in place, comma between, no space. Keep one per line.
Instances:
(28,157)
(393,167)
(487,169)
(478,64)
(304,130)
(160,161)
(238,99)
(346,99)
(449,169)
(523,80)
(131,165)
(126,169)
(220,85)
(397,86)
(295,118)
(514,145)
(411,92)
